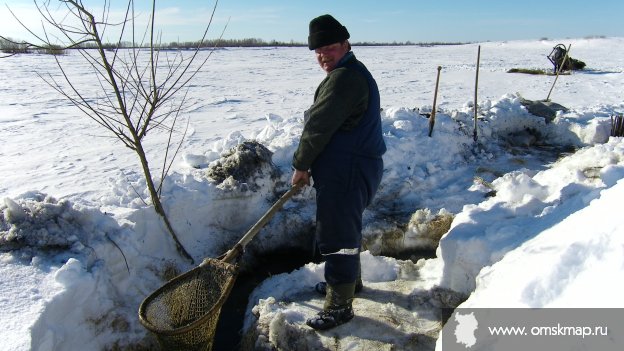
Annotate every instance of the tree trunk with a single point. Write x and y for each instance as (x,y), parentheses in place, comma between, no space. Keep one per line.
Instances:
(157,204)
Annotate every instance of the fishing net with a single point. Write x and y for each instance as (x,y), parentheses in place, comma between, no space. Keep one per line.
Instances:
(183,313)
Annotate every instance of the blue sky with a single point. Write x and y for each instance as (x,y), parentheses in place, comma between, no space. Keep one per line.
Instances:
(369,20)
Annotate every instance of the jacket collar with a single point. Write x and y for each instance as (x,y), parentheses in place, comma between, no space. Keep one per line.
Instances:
(343,61)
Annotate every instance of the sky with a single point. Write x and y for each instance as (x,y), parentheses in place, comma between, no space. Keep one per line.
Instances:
(366,20)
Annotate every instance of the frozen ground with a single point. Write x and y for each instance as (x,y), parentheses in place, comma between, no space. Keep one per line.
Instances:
(80,250)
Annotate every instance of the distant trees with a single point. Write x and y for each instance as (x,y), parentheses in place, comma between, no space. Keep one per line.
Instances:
(255,42)
(11,47)
(248,42)
(17,47)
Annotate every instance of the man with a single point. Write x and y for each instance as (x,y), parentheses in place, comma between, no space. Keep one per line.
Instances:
(340,149)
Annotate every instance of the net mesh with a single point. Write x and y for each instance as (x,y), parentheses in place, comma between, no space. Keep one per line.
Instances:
(183,313)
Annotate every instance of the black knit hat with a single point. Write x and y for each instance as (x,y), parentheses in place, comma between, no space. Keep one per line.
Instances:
(326,30)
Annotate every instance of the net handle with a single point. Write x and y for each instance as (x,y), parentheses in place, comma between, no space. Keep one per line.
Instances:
(238,248)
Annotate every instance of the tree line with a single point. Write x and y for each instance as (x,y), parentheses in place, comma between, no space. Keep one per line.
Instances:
(256,42)
(12,46)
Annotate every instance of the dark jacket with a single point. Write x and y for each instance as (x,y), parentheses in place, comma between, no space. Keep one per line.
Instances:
(342,145)
(344,118)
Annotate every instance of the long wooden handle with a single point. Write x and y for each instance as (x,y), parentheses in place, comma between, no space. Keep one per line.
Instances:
(234,252)
(435,98)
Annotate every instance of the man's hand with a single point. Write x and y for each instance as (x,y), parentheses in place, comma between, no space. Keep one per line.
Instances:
(300,177)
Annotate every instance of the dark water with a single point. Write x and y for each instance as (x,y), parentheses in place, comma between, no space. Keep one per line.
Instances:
(228,332)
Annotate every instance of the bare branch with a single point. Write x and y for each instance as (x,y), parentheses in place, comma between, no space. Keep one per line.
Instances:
(166,167)
(137,93)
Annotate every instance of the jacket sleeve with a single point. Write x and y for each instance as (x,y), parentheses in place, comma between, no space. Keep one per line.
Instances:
(340,101)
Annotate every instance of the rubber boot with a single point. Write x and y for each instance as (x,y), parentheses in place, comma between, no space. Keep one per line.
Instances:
(321,287)
(337,309)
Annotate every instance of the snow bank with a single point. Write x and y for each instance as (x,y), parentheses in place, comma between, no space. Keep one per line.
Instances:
(525,205)
(571,262)
(92,290)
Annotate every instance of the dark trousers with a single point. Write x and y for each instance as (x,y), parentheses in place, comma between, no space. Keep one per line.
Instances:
(343,190)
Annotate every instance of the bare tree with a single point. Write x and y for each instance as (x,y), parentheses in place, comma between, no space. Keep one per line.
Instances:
(136,93)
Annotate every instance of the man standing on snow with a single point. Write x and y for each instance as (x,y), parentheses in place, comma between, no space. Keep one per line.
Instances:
(340,148)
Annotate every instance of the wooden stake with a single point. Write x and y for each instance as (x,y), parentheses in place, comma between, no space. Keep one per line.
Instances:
(435,97)
(565,57)
(474,134)
(617,126)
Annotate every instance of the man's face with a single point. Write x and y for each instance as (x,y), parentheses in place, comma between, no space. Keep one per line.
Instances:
(329,55)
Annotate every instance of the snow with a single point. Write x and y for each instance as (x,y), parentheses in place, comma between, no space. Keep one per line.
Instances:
(531,205)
